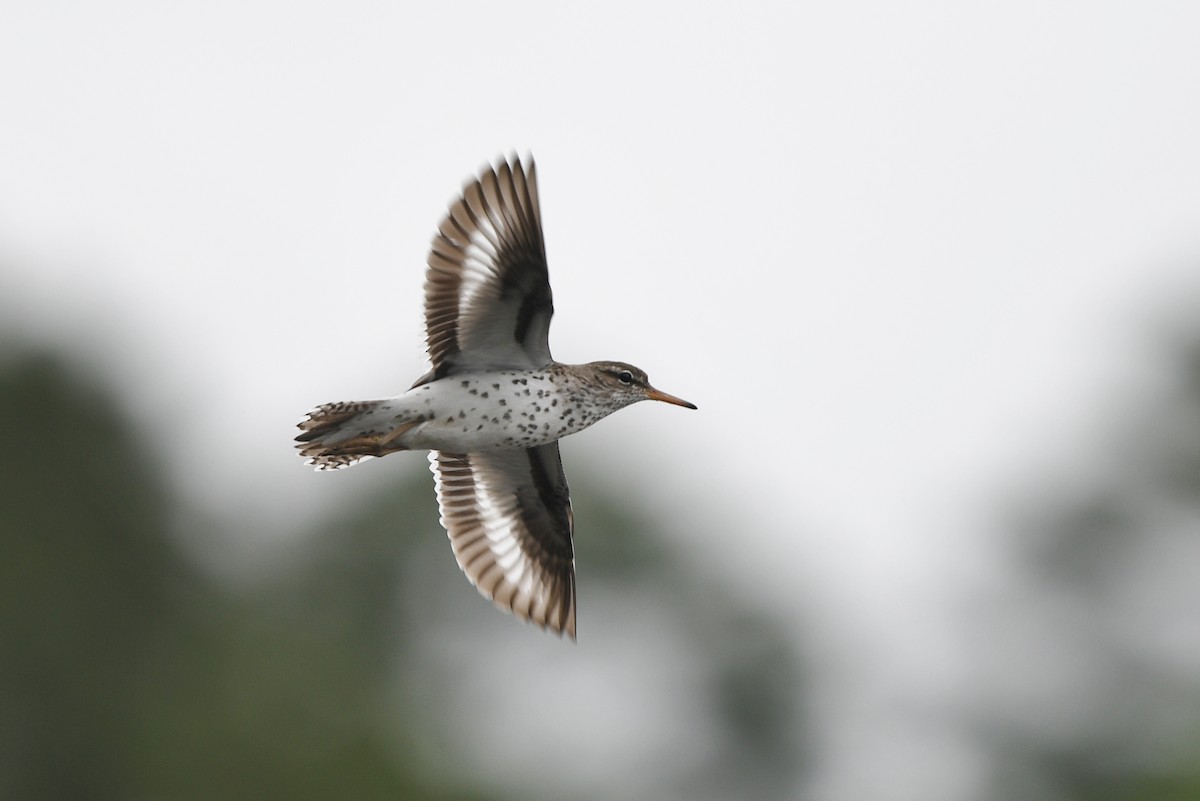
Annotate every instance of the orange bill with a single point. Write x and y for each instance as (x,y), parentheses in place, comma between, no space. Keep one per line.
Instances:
(654,394)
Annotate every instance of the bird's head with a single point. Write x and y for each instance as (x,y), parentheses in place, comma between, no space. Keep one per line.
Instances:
(627,384)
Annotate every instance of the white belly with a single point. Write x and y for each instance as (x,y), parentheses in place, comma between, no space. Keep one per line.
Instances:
(503,410)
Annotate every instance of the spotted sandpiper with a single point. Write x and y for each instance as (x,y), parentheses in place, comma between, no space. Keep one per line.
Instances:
(495,404)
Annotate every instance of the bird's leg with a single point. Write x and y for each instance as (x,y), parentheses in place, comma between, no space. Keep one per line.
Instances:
(373,444)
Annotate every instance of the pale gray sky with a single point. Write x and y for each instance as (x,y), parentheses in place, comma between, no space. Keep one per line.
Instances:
(892,251)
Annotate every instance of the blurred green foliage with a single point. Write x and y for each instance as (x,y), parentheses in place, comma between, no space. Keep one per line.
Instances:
(126,673)
(129,672)
(1098,577)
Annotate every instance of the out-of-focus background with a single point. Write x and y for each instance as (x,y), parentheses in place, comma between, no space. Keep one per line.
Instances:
(931,272)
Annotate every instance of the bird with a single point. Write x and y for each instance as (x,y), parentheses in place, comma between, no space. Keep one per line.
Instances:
(494,404)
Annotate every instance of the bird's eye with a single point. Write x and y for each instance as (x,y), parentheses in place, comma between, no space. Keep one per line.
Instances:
(625,377)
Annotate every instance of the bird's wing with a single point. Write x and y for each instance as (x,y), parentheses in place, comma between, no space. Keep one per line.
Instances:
(508,514)
(487,290)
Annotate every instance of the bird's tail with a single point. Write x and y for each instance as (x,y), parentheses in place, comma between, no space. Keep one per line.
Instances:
(341,434)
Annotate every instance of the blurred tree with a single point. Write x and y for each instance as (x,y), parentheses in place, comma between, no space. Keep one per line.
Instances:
(1095,651)
(87,583)
(125,673)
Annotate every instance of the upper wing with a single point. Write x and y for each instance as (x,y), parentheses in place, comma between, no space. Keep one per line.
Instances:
(487,290)
(508,514)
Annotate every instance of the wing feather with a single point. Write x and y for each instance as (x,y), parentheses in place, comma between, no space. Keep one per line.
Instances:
(508,515)
(487,288)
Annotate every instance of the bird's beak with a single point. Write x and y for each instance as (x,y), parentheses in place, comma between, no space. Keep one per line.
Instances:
(654,394)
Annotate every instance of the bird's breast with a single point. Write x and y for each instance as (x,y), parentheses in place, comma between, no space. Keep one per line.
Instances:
(502,410)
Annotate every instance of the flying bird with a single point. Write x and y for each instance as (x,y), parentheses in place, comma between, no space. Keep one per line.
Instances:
(495,403)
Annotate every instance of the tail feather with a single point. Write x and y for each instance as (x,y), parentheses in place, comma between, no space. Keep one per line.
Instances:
(341,434)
